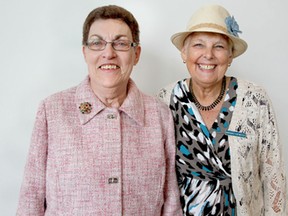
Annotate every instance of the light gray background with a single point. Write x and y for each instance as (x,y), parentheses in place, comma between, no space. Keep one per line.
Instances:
(40,52)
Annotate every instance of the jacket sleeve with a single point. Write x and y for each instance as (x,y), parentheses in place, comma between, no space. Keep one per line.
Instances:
(32,192)
(172,205)
(272,170)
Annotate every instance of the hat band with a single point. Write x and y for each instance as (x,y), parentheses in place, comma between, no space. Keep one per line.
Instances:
(209,25)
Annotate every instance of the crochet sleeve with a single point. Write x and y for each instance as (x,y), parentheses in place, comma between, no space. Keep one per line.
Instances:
(164,94)
(272,170)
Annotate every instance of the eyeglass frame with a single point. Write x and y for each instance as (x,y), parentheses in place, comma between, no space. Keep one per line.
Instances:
(130,43)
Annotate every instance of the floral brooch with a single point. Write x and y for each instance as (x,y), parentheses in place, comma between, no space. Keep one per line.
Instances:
(232,26)
(85,108)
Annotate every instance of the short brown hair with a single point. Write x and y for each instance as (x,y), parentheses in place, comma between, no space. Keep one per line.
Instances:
(111,12)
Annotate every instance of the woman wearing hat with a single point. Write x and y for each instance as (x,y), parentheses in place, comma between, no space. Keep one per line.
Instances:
(228,151)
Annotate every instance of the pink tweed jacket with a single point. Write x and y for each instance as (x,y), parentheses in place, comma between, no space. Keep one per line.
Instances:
(103,161)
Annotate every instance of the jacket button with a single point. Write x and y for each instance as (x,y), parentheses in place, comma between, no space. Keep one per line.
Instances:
(111,116)
(113,180)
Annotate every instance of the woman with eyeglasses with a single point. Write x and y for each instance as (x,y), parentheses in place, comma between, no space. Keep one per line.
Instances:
(103,147)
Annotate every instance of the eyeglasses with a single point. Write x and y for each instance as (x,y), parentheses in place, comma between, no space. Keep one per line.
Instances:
(119,45)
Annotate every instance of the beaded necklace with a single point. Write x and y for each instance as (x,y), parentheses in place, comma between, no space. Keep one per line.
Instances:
(215,103)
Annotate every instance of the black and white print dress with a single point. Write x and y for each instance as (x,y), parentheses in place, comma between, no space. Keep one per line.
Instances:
(203,156)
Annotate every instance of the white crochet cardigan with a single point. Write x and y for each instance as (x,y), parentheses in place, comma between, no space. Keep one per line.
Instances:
(258,174)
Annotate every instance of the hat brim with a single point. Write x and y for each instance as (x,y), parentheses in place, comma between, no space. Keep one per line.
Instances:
(239,45)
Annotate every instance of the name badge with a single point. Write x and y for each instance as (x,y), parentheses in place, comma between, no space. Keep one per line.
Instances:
(235,133)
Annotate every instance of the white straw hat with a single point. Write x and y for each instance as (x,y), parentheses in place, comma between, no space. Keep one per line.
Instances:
(216,19)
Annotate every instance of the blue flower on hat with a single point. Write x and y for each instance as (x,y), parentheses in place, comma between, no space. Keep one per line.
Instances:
(232,26)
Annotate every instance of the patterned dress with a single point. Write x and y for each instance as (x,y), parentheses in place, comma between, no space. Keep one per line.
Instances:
(203,156)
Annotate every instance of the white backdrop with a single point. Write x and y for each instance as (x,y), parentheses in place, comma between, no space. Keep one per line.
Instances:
(40,52)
